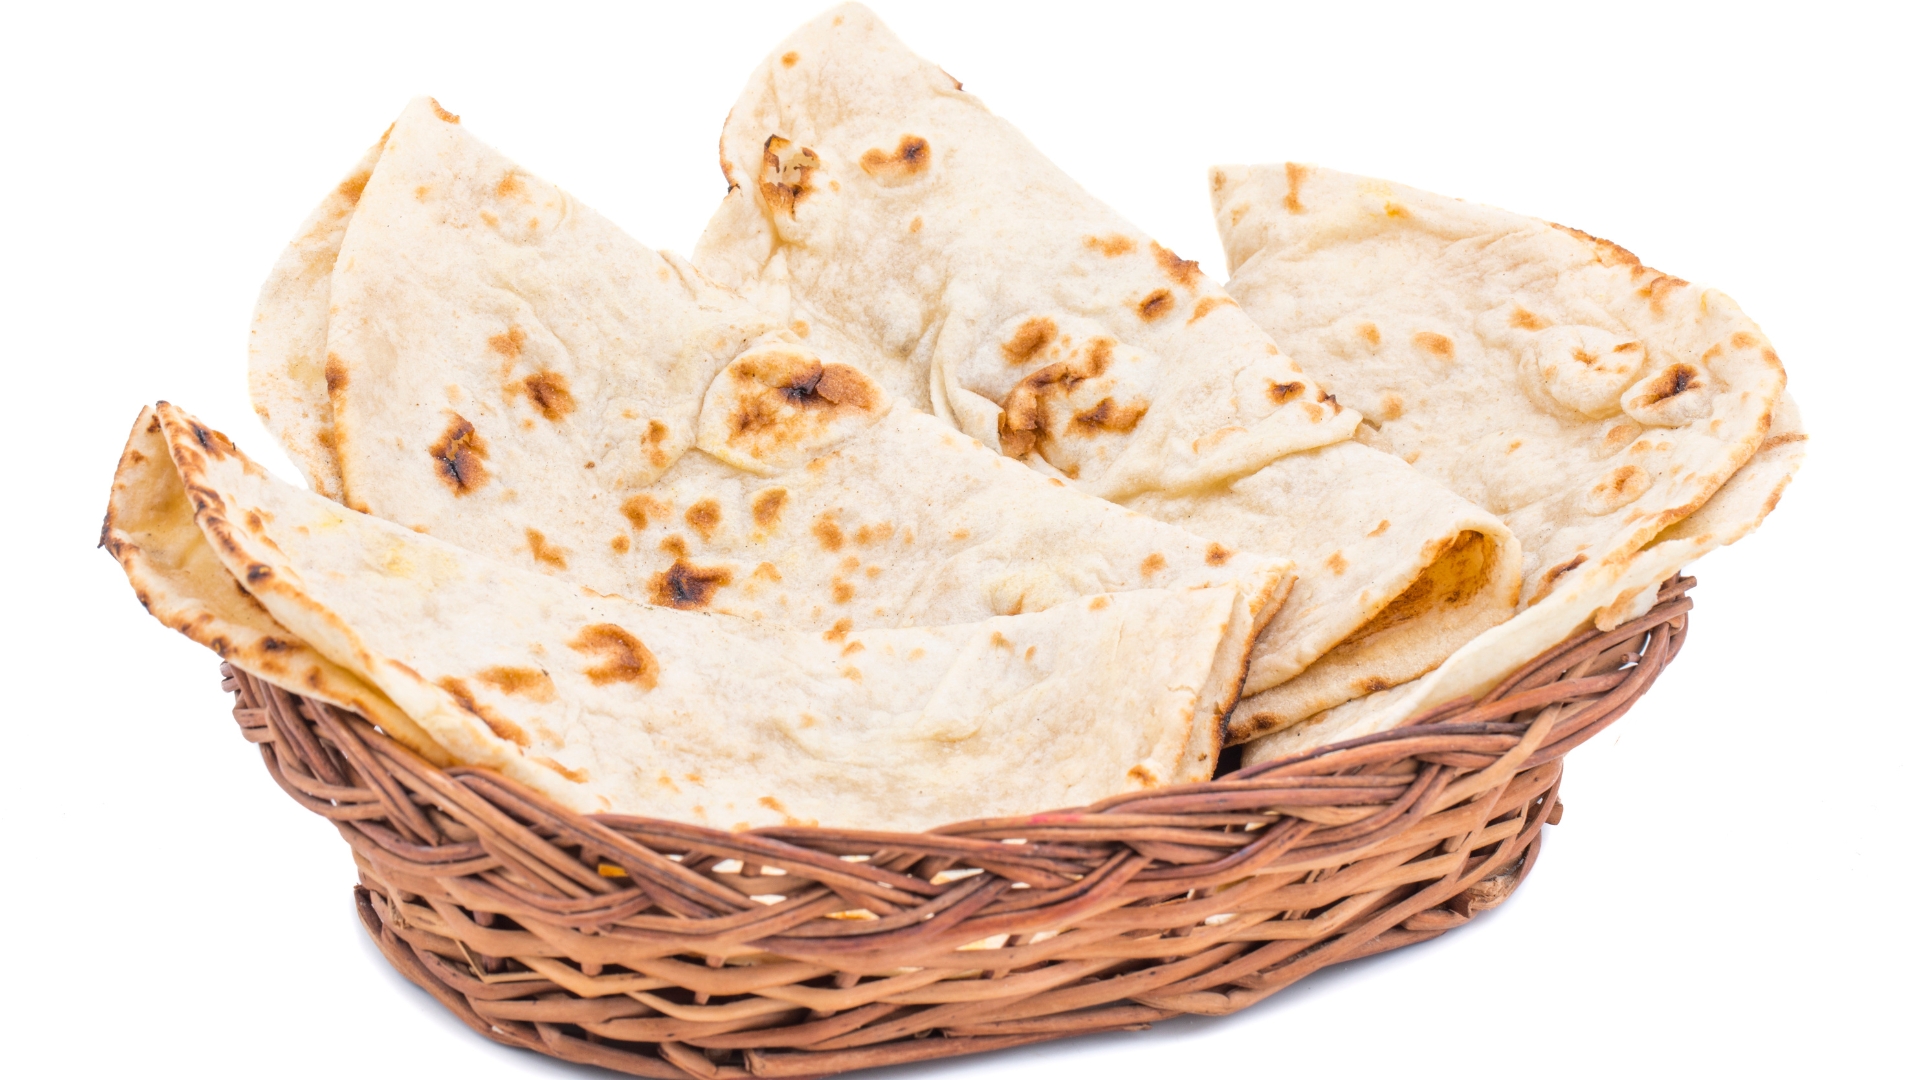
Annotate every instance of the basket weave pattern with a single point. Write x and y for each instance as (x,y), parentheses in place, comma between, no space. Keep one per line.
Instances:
(662,949)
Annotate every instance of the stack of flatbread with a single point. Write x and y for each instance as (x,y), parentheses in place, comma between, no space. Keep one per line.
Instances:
(1620,421)
(930,488)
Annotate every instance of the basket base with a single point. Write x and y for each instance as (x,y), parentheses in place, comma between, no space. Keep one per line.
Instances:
(452,988)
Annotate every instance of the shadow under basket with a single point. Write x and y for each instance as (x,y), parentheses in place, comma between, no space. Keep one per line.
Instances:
(662,949)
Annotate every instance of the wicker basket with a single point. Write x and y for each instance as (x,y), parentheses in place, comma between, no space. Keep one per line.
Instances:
(668,950)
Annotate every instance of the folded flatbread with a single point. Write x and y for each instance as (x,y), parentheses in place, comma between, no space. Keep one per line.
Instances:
(287,347)
(912,233)
(150,529)
(605,704)
(1611,594)
(1549,376)
(506,370)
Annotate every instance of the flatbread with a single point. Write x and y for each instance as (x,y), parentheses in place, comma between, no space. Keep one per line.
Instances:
(875,198)
(513,374)
(287,347)
(1366,613)
(466,285)
(887,212)
(1614,593)
(1544,374)
(150,531)
(603,704)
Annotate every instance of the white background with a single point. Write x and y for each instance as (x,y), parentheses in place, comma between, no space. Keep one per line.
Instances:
(1731,888)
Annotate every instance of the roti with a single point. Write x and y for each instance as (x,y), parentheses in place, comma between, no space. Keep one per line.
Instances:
(546,390)
(604,704)
(150,530)
(1587,399)
(1611,594)
(287,347)
(877,205)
